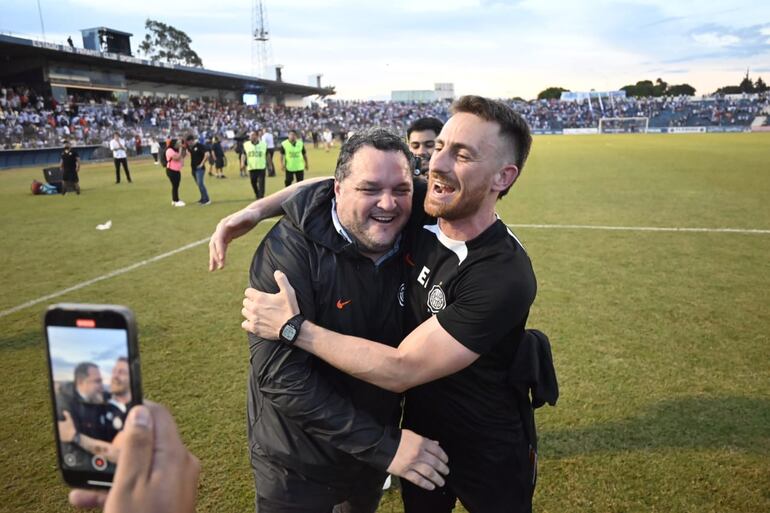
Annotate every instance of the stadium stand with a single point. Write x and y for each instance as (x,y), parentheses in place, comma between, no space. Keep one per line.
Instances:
(29,120)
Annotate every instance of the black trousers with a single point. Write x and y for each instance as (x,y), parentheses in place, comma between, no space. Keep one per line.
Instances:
(270,166)
(258,182)
(118,162)
(281,490)
(492,483)
(175,177)
(291,175)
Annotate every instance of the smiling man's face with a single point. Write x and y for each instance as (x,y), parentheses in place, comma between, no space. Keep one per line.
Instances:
(375,199)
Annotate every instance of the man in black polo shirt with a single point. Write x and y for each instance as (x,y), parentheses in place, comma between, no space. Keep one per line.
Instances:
(199,155)
(70,166)
(470,286)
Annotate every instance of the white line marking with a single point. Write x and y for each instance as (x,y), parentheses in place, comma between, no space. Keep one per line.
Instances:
(547,226)
(640,228)
(103,277)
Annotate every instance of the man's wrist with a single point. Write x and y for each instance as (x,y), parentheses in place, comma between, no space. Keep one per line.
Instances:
(76,438)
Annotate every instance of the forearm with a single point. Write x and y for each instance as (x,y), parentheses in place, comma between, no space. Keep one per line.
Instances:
(270,206)
(94,446)
(369,361)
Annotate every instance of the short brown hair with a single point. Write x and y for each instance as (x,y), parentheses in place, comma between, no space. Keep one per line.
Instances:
(513,126)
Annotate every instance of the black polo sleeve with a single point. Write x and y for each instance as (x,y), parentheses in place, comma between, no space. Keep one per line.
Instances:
(489,300)
(289,378)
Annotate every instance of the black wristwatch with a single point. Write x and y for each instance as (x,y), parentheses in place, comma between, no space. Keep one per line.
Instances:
(290,330)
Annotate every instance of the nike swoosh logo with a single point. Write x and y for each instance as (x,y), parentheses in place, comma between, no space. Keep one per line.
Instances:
(341,304)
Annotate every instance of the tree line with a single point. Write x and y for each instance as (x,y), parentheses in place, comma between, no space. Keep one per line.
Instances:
(650,89)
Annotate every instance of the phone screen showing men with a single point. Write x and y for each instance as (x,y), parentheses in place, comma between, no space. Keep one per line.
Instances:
(92,390)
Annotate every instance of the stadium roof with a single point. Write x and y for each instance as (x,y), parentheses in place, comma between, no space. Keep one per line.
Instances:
(19,54)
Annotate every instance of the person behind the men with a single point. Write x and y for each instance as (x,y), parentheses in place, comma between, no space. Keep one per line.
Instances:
(119,157)
(120,394)
(267,136)
(470,288)
(319,437)
(175,155)
(83,426)
(69,162)
(199,153)
(239,151)
(328,139)
(254,159)
(219,157)
(294,160)
(421,137)
(154,149)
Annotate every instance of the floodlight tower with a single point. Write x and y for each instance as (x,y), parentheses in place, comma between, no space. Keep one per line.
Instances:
(261,52)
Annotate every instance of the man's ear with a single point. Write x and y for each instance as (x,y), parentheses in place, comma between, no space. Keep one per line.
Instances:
(337,187)
(505,177)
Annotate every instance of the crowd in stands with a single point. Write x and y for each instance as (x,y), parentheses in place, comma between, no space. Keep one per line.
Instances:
(30,120)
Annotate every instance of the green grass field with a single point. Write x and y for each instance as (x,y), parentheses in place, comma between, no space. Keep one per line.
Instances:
(661,339)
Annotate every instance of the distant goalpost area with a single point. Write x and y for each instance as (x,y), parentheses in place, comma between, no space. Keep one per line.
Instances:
(631,125)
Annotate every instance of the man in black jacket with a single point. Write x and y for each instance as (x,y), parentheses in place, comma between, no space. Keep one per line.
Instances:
(321,440)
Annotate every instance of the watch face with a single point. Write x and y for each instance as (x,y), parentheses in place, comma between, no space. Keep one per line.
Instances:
(289,332)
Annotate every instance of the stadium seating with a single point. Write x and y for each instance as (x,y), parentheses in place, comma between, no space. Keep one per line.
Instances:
(29,120)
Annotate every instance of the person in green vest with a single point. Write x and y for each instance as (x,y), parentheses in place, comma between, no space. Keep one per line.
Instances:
(294,159)
(254,159)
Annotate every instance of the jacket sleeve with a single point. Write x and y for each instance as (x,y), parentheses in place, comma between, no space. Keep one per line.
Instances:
(289,378)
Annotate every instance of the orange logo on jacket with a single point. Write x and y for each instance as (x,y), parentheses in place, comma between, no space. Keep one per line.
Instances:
(341,304)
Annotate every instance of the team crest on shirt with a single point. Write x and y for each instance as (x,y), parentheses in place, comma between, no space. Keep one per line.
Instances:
(401,294)
(436,299)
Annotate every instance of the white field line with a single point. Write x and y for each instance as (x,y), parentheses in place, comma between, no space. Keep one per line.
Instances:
(641,228)
(124,270)
(103,277)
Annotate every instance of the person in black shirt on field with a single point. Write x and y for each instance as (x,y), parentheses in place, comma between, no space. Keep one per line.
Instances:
(70,166)
(199,155)
(470,287)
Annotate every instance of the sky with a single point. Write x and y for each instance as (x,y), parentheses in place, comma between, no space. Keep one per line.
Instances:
(494,48)
(71,346)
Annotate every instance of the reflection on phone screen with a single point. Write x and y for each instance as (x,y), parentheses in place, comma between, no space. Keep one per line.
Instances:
(92,389)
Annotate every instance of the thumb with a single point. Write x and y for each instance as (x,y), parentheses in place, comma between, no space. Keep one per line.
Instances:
(135,460)
(67,417)
(281,280)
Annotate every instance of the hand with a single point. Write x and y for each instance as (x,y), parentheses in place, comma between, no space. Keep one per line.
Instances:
(420,461)
(66,428)
(155,473)
(265,313)
(229,228)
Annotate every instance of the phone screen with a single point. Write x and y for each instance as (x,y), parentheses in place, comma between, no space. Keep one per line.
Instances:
(93,386)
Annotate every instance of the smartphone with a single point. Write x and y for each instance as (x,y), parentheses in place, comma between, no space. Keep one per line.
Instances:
(93,369)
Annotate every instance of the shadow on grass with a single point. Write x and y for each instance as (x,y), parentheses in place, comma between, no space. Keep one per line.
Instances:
(22,340)
(692,422)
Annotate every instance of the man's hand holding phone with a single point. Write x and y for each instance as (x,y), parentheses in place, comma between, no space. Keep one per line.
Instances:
(155,472)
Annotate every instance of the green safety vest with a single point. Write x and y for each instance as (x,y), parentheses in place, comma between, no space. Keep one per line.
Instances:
(255,155)
(293,155)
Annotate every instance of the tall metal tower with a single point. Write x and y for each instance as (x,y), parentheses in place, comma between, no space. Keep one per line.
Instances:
(261,50)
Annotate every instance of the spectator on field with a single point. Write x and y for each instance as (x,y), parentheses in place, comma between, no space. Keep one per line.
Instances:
(219,157)
(175,154)
(119,157)
(154,149)
(69,163)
